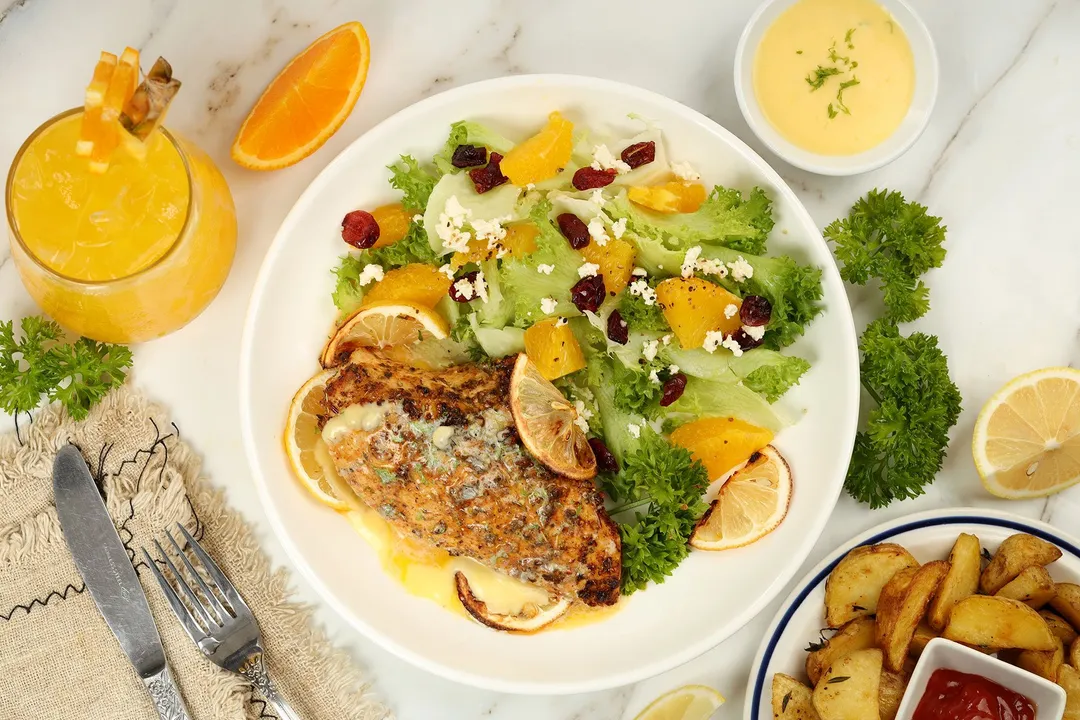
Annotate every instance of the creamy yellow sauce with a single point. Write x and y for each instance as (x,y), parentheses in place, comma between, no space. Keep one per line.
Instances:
(862,42)
(423,570)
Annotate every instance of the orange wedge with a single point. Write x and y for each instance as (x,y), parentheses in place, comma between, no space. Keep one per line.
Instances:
(307,102)
(104,134)
(95,99)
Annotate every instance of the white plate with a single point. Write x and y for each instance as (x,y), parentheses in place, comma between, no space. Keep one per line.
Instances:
(928,536)
(291,312)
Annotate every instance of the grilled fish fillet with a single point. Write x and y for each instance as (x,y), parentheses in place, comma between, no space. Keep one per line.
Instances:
(474,491)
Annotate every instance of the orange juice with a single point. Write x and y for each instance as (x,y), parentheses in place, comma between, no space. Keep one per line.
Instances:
(127,255)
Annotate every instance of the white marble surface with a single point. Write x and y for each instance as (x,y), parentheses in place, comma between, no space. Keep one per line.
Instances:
(1000,162)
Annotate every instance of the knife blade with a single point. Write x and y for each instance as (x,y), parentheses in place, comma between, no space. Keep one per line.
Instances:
(104,564)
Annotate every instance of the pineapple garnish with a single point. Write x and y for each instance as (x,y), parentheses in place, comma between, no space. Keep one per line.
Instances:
(145,110)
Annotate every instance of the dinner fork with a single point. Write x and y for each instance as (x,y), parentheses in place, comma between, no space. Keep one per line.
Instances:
(219,621)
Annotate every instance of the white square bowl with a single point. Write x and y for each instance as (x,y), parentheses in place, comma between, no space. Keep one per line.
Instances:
(1048,697)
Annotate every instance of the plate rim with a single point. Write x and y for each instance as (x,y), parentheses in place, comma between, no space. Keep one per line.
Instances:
(647,669)
(906,523)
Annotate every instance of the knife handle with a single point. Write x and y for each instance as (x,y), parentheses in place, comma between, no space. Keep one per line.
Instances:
(166,696)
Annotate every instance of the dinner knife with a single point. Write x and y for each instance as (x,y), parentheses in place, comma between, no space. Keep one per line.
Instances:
(104,564)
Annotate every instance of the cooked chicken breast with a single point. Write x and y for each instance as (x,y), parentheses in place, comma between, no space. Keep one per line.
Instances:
(440,459)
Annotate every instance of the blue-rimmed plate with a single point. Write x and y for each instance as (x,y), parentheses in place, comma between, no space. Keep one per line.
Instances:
(927,536)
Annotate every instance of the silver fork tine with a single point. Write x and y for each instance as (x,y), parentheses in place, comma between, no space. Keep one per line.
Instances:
(222,613)
(222,582)
(203,614)
(179,609)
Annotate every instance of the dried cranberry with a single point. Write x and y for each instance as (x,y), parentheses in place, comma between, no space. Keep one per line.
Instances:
(745,341)
(455,294)
(617,329)
(639,154)
(674,387)
(360,229)
(588,178)
(588,293)
(605,459)
(574,230)
(489,176)
(469,156)
(755,311)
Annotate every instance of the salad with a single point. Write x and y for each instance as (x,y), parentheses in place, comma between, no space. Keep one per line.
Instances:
(649,300)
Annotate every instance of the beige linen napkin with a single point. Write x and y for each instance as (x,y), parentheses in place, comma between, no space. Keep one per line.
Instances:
(57,656)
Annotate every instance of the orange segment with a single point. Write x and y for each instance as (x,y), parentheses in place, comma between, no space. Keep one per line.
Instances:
(307,102)
(669,197)
(721,443)
(616,261)
(101,132)
(1027,438)
(383,325)
(541,156)
(750,505)
(520,240)
(95,99)
(552,347)
(545,422)
(393,223)
(416,283)
(694,307)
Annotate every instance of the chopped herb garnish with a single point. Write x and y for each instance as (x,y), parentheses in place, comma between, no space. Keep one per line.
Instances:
(847,38)
(798,52)
(838,679)
(817,79)
(840,93)
(784,704)
(832,111)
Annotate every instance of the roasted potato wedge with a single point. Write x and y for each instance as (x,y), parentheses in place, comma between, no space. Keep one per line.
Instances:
(900,613)
(854,585)
(791,700)
(996,622)
(923,635)
(890,693)
(1069,680)
(1044,664)
(1066,601)
(1074,653)
(858,634)
(1014,554)
(1059,627)
(1033,586)
(849,690)
(965,564)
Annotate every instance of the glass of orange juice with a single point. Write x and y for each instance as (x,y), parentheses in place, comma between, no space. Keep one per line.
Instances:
(124,255)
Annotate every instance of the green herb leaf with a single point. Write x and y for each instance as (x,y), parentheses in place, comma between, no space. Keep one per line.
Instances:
(847,38)
(817,79)
(413,181)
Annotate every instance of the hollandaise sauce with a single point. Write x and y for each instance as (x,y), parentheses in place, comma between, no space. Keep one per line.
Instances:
(835,77)
(423,569)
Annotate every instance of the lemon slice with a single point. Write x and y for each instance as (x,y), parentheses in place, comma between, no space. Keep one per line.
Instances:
(302,440)
(382,325)
(690,702)
(546,423)
(749,506)
(1027,438)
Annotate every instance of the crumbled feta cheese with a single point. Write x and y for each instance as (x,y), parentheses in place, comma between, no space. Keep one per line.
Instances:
(618,228)
(545,269)
(597,231)
(584,414)
(709,266)
(548,305)
(756,332)
(685,171)
(654,376)
(731,310)
(649,349)
(371,273)
(447,271)
(582,423)
(666,340)
(603,159)
(597,200)
(451,221)
(465,288)
(643,291)
(639,272)
(713,340)
(529,187)
(690,261)
(741,270)
(588,270)
(418,218)
(733,345)
(480,285)
(491,230)
(673,369)
(634,430)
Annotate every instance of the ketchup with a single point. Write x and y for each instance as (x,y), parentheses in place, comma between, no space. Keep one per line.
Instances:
(952,695)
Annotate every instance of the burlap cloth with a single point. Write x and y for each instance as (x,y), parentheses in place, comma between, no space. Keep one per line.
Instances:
(57,656)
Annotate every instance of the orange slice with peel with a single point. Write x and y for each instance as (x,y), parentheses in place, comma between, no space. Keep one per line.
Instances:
(93,103)
(307,102)
(546,423)
(104,134)
(750,505)
(383,325)
(302,440)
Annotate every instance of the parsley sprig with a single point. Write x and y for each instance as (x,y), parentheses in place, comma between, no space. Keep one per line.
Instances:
(77,375)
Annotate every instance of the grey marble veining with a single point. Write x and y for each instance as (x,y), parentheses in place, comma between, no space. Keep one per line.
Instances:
(1000,162)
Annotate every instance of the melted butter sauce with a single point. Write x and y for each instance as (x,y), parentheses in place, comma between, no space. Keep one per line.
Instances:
(799,42)
(424,570)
